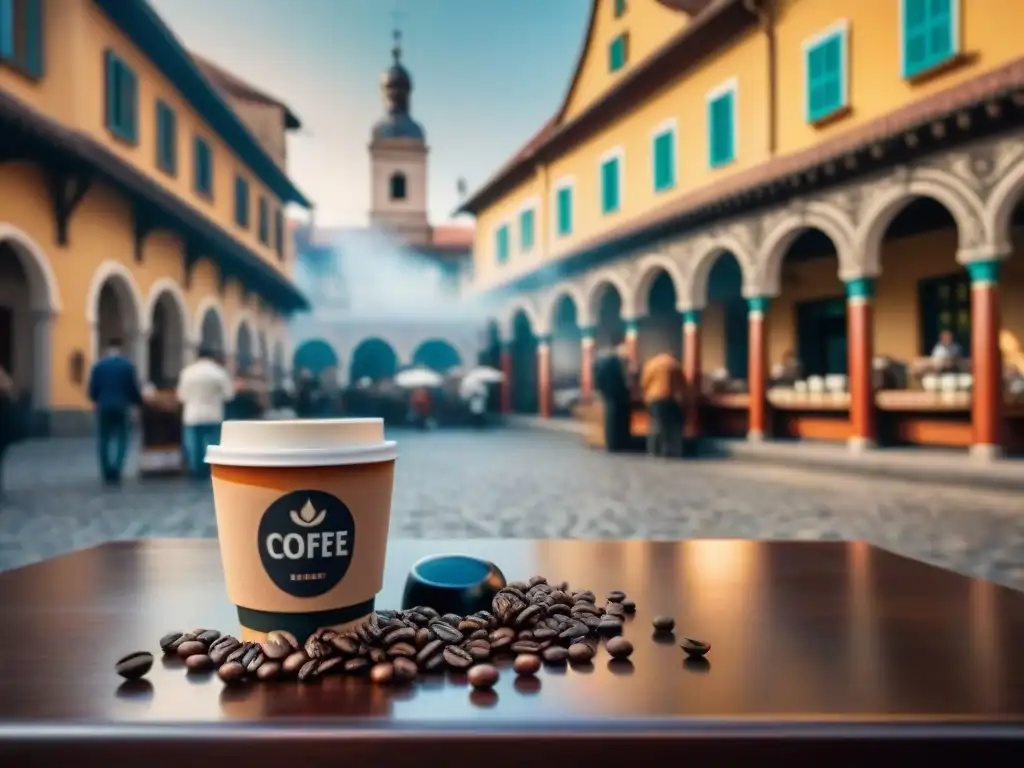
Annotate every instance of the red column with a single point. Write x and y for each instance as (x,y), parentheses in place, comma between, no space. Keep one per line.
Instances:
(586,364)
(986,360)
(757,366)
(692,371)
(860,352)
(506,385)
(544,378)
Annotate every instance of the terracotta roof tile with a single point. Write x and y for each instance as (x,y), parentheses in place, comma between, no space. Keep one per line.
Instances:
(225,81)
(454,236)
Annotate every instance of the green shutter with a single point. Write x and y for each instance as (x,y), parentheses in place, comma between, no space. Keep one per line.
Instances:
(565,211)
(33,37)
(241,202)
(526,230)
(110,67)
(825,78)
(501,244)
(617,53)
(721,127)
(130,105)
(264,222)
(927,34)
(610,186)
(664,161)
(6,29)
(620,8)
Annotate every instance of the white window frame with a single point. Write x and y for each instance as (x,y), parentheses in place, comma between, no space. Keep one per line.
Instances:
(956,33)
(563,182)
(531,204)
(506,222)
(841,28)
(669,126)
(618,152)
(731,85)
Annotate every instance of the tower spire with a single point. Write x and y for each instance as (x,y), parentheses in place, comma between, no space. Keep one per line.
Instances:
(396,50)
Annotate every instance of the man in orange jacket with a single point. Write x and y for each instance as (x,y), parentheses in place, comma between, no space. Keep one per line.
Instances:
(664,392)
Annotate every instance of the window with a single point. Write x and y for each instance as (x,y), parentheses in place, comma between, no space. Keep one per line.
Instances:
(279,233)
(527,219)
(611,181)
(501,244)
(397,185)
(203,168)
(618,52)
(166,138)
(722,125)
(944,304)
(663,152)
(122,99)
(825,73)
(264,221)
(929,30)
(620,8)
(241,202)
(563,209)
(21,35)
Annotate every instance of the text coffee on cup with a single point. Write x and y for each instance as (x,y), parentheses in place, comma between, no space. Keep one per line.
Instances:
(306,542)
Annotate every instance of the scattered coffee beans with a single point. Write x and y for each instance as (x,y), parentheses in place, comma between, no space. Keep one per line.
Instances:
(664,623)
(538,621)
(134,665)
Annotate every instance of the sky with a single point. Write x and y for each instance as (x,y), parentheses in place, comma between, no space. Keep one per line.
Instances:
(486,75)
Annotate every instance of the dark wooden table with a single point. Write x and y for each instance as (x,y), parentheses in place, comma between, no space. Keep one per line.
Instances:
(836,650)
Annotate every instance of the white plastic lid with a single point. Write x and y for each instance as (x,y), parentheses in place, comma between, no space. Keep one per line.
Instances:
(302,443)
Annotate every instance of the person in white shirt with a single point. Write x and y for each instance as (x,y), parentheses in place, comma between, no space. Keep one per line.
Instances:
(204,387)
(946,353)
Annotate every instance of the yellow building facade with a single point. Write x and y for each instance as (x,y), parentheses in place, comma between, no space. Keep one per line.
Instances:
(137,204)
(744,183)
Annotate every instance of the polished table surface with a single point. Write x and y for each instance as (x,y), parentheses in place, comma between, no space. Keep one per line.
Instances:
(812,642)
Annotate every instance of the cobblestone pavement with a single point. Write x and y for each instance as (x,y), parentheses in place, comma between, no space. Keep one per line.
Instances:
(526,484)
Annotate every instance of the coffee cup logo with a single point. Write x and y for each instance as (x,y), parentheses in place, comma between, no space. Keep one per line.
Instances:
(306,540)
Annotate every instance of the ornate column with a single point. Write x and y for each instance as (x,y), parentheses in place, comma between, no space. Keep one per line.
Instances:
(544,376)
(757,366)
(692,371)
(506,369)
(632,331)
(861,352)
(586,362)
(986,359)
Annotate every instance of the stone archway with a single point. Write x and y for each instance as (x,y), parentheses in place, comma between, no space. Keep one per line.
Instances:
(212,334)
(437,354)
(523,349)
(29,300)
(245,347)
(114,311)
(167,320)
(315,356)
(373,359)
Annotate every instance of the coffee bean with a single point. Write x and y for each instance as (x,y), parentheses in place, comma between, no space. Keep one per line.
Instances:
(526,664)
(447,633)
(383,673)
(544,633)
(254,659)
(308,670)
(479,652)
(423,636)
(483,676)
(457,658)
(269,670)
(167,641)
(429,651)
(525,634)
(329,666)
(401,649)
(292,664)
(664,623)
(580,653)
(614,609)
(402,635)
(346,645)
(573,631)
(134,665)
(190,648)
(619,648)
(378,655)
(695,648)
(231,673)
(315,647)
(609,627)
(208,636)
(472,623)
(404,670)
(629,606)
(186,637)
(525,646)
(451,619)
(200,662)
(284,638)
(615,596)
(276,651)
(556,654)
(529,615)
(223,648)
(356,666)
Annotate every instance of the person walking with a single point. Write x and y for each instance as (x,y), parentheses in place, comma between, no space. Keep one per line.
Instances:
(662,384)
(204,388)
(114,391)
(610,381)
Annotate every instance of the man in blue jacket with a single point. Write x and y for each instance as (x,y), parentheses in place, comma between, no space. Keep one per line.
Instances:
(113,389)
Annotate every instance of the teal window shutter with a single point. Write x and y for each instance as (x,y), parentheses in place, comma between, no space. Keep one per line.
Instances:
(130,105)
(564,206)
(501,244)
(241,202)
(526,219)
(33,37)
(618,52)
(664,161)
(825,77)
(620,8)
(928,34)
(203,168)
(6,29)
(167,138)
(110,66)
(610,196)
(264,222)
(721,130)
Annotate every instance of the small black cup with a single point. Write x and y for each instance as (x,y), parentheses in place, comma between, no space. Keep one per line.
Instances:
(452,584)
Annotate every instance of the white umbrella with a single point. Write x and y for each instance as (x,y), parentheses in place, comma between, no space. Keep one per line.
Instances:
(418,377)
(484,374)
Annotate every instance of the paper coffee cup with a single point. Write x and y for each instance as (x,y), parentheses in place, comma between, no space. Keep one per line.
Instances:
(303,509)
